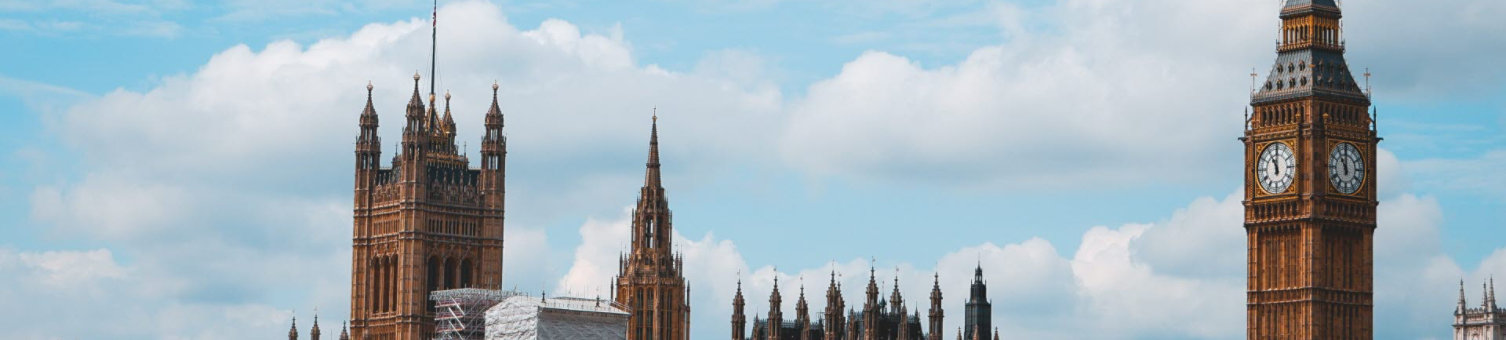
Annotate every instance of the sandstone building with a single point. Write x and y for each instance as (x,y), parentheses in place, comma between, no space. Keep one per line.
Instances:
(649,283)
(428,222)
(1310,195)
(1487,322)
(879,318)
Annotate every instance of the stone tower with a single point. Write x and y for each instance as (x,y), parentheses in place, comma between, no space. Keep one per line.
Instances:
(833,319)
(1487,322)
(739,320)
(649,280)
(1310,196)
(979,309)
(429,222)
(936,311)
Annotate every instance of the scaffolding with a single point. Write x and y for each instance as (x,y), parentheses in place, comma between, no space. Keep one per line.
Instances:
(539,318)
(459,314)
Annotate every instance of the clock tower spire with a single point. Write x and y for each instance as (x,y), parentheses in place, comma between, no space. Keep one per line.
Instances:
(1310,192)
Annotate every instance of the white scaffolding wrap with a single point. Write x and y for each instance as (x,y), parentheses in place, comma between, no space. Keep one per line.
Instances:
(534,318)
(458,313)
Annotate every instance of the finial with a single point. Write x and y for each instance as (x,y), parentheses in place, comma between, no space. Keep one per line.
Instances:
(415,76)
(447,95)
(368,88)
(1253,76)
(656,113)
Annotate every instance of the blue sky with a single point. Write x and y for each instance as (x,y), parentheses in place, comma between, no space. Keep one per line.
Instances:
(187,164)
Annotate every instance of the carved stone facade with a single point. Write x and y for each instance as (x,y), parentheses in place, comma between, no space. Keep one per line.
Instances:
(1487,322)
(429,222)
(1310,202)
(879,319)
(649,282)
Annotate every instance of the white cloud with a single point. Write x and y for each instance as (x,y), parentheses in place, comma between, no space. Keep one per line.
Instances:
(1182,277)
(227,187)
(1120,97)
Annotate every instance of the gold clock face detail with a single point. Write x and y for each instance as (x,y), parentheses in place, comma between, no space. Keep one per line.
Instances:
(1346,168)
(1276,168)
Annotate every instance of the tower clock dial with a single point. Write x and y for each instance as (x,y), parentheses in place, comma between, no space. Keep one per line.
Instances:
(1276,168)
(1346,168)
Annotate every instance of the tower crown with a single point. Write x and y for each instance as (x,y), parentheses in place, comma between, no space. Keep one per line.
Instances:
(1310,59)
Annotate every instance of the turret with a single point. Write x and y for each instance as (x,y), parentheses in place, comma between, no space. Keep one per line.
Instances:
(739,320)
(1490,296)
(979,311)
(775,317)
(871,303)
(1461,308)
(314,333)
(293,330)
(368,143)
(896,301)
(936,310)
(344,332)
(447,124)
(833,312)
(493,167)
(413,128)
(802,314)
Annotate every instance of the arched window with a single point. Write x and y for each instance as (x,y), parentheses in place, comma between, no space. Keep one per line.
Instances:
(466,272)
(449,273)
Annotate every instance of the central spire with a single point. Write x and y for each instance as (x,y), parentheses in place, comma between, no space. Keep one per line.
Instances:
(651,177)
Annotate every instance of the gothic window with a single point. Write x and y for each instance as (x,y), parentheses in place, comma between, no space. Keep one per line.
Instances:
(450,273)
(465,273)
(433,277)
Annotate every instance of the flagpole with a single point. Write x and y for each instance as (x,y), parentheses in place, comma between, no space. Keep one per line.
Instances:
(434,47)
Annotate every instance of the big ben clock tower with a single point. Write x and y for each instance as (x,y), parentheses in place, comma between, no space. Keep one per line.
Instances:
(1310,197)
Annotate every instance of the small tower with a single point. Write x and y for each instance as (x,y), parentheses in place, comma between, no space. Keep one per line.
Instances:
(776,319)
(979,313)
(936,311)
(896,301)
(314,332)
(293,330)
(834,307)
(739,320)
(368,145)
(802,314)
(344,332)
(413,128)
(1490,295)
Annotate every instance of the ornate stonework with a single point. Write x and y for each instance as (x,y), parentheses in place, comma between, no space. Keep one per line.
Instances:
(429,222)
(1310,196)
(649,281)
(1487,322)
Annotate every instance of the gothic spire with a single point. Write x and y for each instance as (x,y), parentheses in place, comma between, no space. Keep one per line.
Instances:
(293,330)
(1490,295)
(314,333)
(449,121)
(368,114)
(344,331)
(651,177)
(415,103)
(1462,305)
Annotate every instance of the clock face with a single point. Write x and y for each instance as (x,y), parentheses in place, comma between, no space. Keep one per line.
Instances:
(1346,168)
(1276,168)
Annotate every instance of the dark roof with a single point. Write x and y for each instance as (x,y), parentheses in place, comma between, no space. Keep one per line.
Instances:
(1309,72)
(1299,3)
